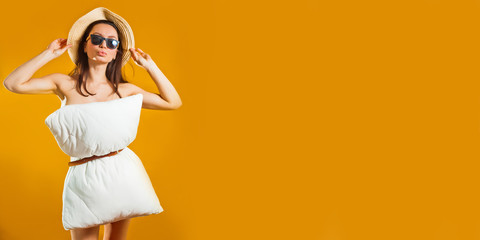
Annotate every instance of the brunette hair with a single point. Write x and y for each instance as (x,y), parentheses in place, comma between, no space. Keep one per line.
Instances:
(114,68)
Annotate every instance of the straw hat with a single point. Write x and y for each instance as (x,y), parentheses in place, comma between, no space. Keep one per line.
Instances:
(79,27)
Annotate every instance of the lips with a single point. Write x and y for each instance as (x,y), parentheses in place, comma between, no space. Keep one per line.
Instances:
(102,53)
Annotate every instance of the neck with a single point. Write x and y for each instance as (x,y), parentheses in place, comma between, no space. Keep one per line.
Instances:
(96,73)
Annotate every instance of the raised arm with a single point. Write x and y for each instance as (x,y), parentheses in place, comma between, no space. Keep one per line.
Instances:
(168,97)
(21,81)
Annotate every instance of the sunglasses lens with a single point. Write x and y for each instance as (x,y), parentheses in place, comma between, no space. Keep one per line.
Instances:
(112,43)
(96,40)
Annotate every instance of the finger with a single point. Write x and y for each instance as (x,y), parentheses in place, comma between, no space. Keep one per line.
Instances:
(132,50)
(134,55)
(140,51)
(66,47)
(145,55)
(138,55)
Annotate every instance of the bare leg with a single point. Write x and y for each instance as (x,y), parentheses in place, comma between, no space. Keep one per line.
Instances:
(116,230)
(85,233)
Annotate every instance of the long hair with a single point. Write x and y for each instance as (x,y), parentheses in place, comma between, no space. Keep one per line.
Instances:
(114,68)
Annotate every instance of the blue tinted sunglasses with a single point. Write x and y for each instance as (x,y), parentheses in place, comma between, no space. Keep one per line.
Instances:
(98,40)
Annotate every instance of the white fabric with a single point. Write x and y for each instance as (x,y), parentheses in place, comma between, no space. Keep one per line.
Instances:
(106,189)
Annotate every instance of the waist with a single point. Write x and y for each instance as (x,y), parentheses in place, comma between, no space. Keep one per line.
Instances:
(87,159)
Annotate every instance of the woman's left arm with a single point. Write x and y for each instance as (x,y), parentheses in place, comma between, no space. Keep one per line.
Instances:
(168,97)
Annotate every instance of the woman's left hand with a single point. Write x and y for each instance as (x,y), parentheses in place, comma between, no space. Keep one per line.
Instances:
(140,58)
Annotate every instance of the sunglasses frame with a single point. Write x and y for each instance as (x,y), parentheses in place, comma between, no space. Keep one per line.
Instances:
(104,39)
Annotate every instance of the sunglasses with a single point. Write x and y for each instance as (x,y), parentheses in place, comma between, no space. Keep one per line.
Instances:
(98,40)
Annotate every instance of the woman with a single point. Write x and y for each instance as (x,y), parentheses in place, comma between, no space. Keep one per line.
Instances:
(99,43)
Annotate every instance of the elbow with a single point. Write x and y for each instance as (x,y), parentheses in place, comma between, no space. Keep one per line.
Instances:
(8,86)
(12,87)
(176,105)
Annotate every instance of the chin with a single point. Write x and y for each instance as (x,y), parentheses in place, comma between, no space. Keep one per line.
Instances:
(99,60)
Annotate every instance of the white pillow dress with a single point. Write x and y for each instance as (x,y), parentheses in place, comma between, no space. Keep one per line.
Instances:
(110,188)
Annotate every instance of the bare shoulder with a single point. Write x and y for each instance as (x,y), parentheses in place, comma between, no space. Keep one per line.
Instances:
(59,75)
(129,89)
(58,78)
(64,83)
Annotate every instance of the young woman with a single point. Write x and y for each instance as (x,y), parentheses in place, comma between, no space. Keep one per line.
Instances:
(99,43)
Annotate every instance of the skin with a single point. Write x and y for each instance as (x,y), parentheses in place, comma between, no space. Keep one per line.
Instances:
(112,231)
(21,81)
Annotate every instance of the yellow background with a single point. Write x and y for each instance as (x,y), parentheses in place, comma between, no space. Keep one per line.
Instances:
(301,119)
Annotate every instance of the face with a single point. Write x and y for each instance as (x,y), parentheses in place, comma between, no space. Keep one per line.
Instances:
(101,53)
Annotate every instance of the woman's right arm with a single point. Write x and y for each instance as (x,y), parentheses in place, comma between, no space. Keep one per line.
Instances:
(21,81)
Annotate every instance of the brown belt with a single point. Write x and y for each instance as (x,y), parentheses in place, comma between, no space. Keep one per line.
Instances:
(87,159)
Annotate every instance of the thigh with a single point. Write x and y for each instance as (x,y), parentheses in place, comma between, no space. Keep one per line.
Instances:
(116,230)
(85,233)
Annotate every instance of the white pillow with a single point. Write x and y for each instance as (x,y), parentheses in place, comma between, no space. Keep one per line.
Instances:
(107,189)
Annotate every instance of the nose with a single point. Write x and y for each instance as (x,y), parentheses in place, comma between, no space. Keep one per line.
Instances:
(102,44)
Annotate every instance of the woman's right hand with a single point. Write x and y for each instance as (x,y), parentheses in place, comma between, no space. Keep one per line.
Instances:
(58,47)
